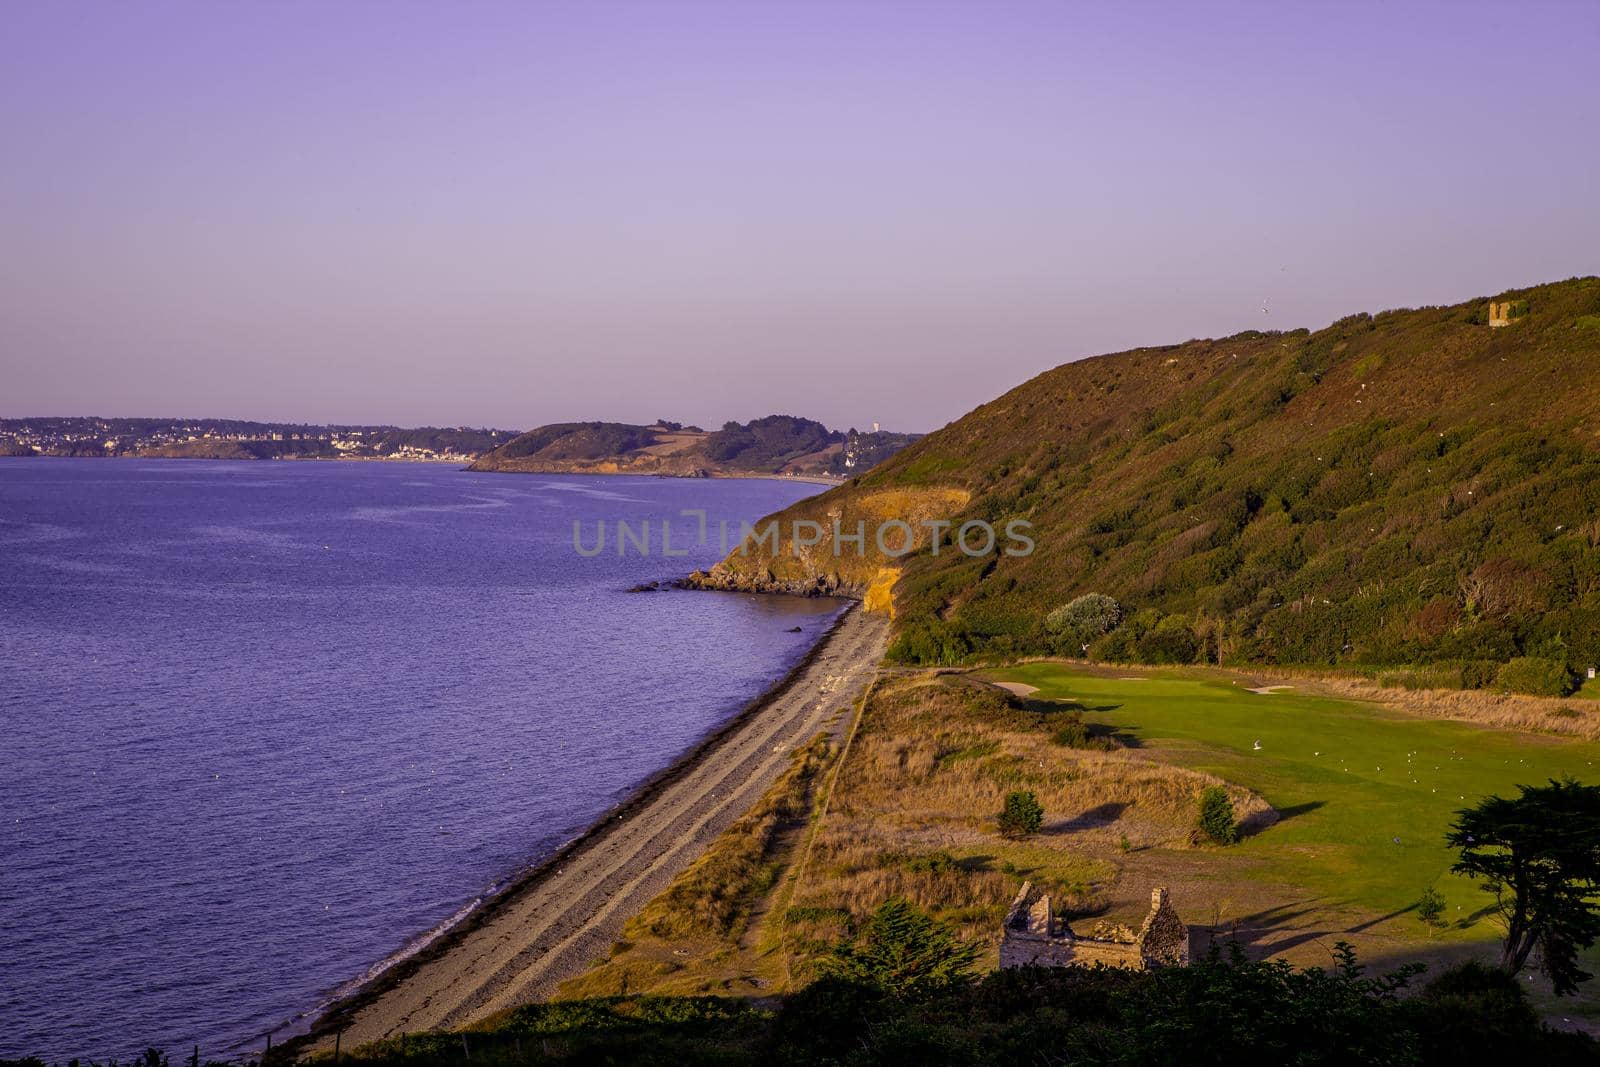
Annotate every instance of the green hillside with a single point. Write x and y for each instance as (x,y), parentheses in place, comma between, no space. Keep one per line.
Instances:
(774,444)
(1411,487)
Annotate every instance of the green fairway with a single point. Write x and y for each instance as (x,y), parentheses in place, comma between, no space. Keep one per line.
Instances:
(1366,794)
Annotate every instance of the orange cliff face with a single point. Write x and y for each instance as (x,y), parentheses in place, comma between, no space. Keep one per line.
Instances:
(839,551)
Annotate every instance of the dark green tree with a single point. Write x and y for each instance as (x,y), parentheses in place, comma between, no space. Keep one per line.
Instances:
(1022,815)
(1215,821)
(903,952)
(1539,855)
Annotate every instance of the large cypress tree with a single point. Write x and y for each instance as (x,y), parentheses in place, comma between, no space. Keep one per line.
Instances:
(1539,855)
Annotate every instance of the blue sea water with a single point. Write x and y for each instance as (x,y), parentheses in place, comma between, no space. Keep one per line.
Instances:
(264,724)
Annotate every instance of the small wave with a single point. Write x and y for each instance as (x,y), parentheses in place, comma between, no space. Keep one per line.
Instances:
(398,513)
(300,1023)
(416,945)
(28,533)
(584,490)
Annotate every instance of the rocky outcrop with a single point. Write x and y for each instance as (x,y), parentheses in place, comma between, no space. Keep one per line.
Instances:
(762,580)
(1032,936)
(841,554)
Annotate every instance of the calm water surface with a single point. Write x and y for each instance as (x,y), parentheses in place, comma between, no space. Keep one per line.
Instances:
(266,723)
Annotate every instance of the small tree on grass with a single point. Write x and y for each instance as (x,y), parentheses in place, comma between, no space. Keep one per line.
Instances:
(1021,816)
(1430,906)
(1539,855)
(903,952)
(1216,821)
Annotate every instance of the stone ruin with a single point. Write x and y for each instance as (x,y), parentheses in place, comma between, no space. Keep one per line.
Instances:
(1500,314)
(1032,936)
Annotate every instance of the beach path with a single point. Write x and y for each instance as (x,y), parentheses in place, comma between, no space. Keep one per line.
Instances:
(554,926)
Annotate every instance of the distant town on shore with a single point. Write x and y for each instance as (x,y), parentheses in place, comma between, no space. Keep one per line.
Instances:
(771,445)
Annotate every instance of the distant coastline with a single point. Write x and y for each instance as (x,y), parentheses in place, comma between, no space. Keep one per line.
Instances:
(813,479)
(773,446)
(235,439)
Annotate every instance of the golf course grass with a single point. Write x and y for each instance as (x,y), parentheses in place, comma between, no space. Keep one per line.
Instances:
(1365,794)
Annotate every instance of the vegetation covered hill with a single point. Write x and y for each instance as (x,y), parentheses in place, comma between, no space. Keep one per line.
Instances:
(775,444)
(1411,487)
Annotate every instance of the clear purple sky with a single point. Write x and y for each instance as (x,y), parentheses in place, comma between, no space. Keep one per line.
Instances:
(473,212)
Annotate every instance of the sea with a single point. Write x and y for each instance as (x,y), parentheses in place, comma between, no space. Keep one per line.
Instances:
(267,726)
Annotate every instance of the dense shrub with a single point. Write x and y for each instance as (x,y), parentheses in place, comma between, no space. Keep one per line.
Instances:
(1022,815)
(1170,642)
(930,643)
(1072,732)
(902,953)
(1535,675)
(1215,821)
(1083,620)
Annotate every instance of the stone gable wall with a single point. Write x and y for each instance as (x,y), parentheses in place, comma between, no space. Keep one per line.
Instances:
(1032,936)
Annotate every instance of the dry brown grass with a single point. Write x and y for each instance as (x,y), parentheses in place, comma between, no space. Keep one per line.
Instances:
(1573,716)
(713,897)
(913,811)
(691,938)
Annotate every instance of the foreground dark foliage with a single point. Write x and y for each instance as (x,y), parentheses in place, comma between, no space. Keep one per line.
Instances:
(1219,1011)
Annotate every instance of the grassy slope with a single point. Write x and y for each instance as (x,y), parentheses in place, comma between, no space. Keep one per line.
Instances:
(1304,497)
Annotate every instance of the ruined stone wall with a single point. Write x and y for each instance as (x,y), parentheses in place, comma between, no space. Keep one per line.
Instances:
(1163,939)
(1032,936)
(1028,952)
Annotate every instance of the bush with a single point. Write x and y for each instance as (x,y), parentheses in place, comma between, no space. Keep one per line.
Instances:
(1080,621)
(904,953)
(1073,732)
(935,643)
(1215,821)
(1474,1013)
(1479,673)
(1022,815)
(1535,675)
(1170,642)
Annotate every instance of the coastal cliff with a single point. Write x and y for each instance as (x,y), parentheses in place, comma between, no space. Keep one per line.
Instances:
(839,563)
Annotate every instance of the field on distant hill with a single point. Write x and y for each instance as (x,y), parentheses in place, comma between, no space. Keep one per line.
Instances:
(776,444)
(1411,487)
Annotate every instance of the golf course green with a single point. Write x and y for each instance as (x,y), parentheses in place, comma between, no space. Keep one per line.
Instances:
(1365,793)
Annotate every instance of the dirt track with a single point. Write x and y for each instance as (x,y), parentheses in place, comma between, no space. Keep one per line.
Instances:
(554,927)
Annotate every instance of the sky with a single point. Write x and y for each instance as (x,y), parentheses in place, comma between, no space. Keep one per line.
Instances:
(506,214)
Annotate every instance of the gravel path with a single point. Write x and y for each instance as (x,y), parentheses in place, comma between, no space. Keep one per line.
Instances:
(554,927)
